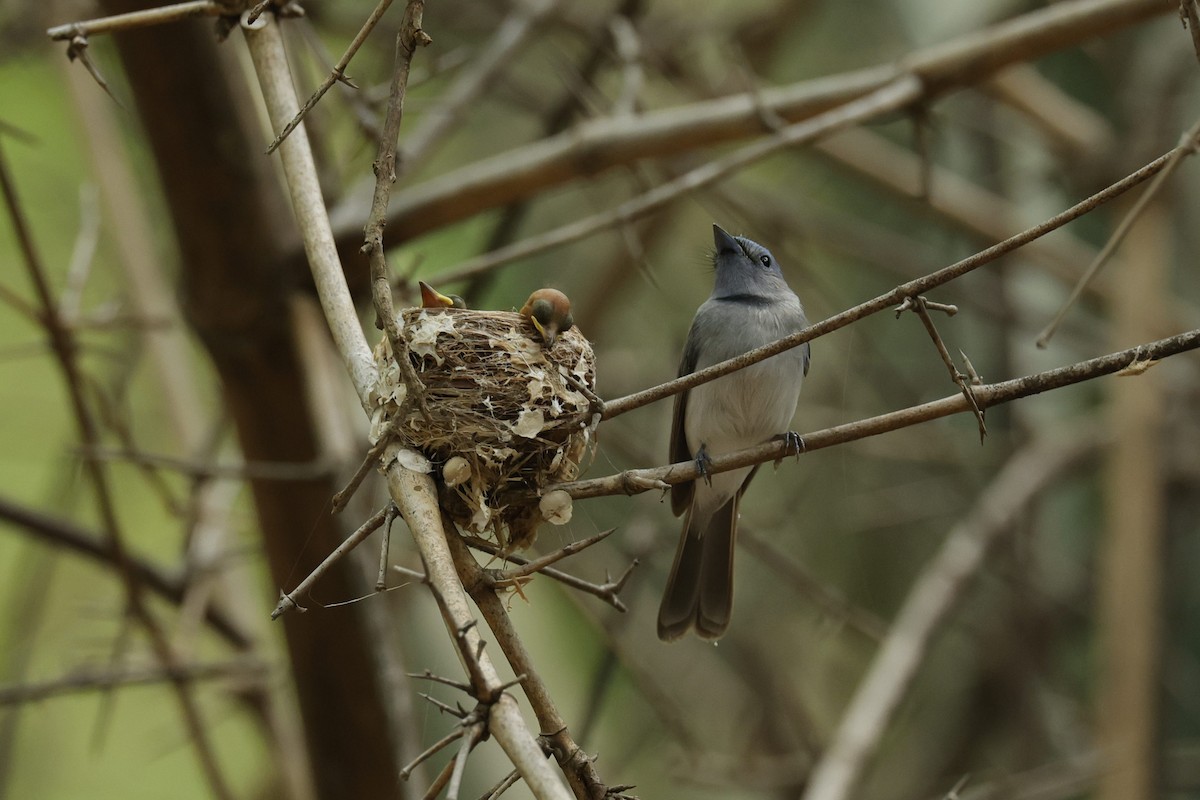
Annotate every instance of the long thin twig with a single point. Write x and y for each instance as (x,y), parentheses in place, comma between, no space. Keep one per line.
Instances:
(891,299)
(431,751)
(474,736)
(920,307)
(91,680)
(408,38)
(986,395)
(961,204)
(138,19)
(506,783)
(287,600)
(608,591)
(342,498)
(338,73)
(936,593)
(538,564)
(65,350)
(381,576)
(1187,146)
(474,79)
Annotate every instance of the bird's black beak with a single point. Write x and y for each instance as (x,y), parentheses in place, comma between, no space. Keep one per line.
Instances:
(724,242)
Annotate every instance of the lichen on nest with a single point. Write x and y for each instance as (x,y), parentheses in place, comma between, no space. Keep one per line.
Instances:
(498,399)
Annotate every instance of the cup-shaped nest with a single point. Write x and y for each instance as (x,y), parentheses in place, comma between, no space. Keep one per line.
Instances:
(500,401)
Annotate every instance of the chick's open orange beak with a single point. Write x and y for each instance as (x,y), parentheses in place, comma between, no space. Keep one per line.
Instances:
(432,298)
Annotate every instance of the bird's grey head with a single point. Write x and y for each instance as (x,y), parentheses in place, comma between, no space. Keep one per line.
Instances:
(745,268)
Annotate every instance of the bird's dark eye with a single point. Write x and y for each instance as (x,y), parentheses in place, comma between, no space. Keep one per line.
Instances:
(766,260)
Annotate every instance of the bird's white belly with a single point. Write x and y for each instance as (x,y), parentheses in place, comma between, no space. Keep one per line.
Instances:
(738,411)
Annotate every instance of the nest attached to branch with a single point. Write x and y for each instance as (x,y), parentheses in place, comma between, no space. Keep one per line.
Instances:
(504,416)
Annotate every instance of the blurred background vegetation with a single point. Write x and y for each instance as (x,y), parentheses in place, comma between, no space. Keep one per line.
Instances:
(1072,660)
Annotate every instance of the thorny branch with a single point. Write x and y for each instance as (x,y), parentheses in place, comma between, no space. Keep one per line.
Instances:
(985,396)
(408,38)
(891,299)
(416,496)
(287,600)
(505,577)
(138,19)
(338,73)
(413,493)
(608,591)
(575,764)
(265,43)
(920,306)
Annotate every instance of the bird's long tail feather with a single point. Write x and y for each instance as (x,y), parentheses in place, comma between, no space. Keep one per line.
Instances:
(700,588)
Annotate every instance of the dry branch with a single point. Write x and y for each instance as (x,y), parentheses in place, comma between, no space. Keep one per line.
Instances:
(138,19)
(576,764)
(270,64)
(934,596)
(635,481)
(414,493)
(891,299)
(338,73)
(288,600)
(890,97)
(416,496)
(242,669)
(600,144)
(608,591)
(408,39)
(1187,146)
(75,539)
(65,349)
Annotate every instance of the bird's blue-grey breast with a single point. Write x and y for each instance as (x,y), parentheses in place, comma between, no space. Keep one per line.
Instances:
(751,305)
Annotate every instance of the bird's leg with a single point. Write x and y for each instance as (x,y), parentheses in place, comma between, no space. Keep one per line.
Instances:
(794,445)
(702,464)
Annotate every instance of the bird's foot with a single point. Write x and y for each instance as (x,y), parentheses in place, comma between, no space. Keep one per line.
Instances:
(703,462)
(793,445)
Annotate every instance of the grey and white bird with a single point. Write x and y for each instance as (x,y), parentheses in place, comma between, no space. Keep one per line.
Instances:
(751,305)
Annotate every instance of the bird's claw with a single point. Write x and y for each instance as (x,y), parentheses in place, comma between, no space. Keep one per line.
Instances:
(703,462)
(793,445)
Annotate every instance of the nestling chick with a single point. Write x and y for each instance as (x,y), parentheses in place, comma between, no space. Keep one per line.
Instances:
(550,312)
(432,298)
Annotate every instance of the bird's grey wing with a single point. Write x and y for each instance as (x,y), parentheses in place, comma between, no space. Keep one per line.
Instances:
(807,357)
(681,493)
